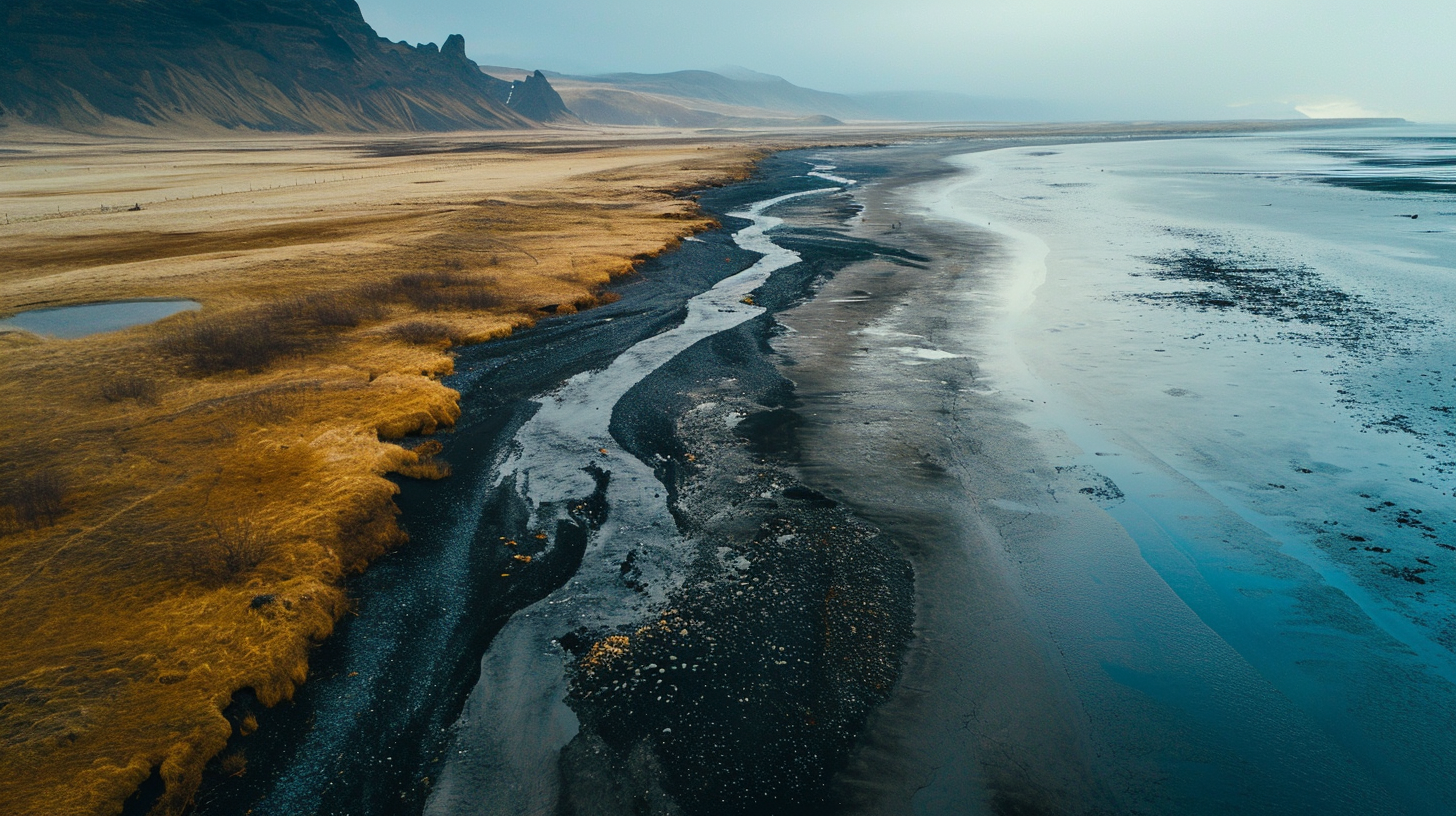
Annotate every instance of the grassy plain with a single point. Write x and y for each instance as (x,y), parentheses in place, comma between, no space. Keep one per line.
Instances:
(181,502)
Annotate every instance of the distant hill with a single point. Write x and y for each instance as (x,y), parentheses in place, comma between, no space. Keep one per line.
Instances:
(269,65)
(767,94)
(610,106)
(735,96)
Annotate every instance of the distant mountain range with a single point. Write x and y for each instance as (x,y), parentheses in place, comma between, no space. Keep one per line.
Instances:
(268,65)
(736,96)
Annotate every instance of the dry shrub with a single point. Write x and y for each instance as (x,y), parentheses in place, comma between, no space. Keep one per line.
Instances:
(437,279)
(342,310)
(129,387)
(217,343)
(421,332)
(255,338)
(367,533)
(225,552)
(441,290)
(270,406)
(35,499)
(233,764)
(467,297)
(426,466)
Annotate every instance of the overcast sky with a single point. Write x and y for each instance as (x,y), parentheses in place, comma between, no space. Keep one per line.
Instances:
(1114,59)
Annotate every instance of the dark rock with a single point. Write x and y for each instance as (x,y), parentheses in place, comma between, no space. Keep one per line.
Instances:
(454,48)
(535,99)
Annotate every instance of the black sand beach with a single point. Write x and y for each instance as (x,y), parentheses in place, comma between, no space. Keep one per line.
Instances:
(835,502)
(784,570)
(881,594)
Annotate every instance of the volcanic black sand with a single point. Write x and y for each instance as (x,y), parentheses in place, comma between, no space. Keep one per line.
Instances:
(873,557)
(798,619)
(849,636)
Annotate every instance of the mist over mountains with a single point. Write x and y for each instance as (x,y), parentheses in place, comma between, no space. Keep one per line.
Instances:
(735,95)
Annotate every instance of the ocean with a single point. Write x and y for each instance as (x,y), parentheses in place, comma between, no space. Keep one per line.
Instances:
(1245,348)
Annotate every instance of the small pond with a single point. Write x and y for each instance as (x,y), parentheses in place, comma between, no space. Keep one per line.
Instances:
(94,318)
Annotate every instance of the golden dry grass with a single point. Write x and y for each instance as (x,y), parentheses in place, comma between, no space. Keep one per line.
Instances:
(210,460)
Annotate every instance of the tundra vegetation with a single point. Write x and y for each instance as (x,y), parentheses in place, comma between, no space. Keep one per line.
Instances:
(180,503)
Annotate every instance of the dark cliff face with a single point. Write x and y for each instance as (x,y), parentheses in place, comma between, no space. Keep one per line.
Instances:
(273,65)
(535,99)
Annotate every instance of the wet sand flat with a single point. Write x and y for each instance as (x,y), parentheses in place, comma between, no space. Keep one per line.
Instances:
(1144,635)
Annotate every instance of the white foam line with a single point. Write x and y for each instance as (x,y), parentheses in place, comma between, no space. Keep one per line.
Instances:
(821,171)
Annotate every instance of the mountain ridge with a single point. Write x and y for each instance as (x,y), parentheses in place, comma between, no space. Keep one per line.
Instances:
(737,96)
(265,65)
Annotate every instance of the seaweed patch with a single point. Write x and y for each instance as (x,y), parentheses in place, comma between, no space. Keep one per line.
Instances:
(1296,295)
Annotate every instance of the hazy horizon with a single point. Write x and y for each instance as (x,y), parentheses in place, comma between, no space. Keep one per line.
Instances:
(1120,59)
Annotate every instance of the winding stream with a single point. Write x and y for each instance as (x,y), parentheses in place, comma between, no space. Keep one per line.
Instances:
(515,722)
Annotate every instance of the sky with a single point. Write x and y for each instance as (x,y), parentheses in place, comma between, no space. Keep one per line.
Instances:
(1125,59)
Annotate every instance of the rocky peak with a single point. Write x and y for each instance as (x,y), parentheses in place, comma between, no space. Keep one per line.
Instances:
(534,98)
(454,48)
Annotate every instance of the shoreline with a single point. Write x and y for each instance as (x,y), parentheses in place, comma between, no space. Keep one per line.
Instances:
(982,721)
(1132,607)
(1274,587)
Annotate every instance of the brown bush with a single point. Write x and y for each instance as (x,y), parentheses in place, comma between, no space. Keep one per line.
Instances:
(225,552)
(367,533)
(477,297)
(233,764)
(213,344)
(426,466)
(442,289)
(36,499)
(129,387)
(344,310)
(461,297)
(421,332)
(435,279)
